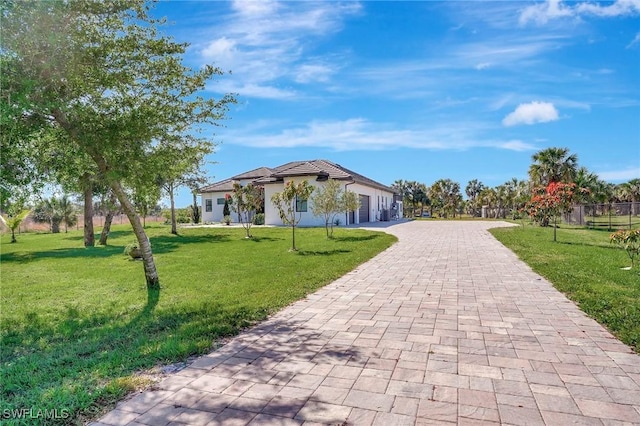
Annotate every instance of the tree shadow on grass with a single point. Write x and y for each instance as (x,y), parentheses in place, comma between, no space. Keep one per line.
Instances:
(321,252)
(259,239)
(599,245)
(159,244)
(355,239)
(80,252)
(112,234)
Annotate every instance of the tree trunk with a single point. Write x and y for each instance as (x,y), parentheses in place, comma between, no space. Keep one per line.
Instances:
(13,236)
(174,226)
(108,220)
(89,236)
(293,238)
(150,272)
(106,228)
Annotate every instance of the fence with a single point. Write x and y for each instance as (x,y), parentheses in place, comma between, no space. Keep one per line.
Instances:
(605,216)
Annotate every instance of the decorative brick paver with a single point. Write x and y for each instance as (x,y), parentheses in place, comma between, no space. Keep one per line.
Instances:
(445,327)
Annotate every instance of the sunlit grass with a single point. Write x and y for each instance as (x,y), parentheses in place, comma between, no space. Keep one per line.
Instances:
(77,324)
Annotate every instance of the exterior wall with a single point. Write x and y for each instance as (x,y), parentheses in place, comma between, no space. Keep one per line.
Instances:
(215,215)
(271,216)
(378,201)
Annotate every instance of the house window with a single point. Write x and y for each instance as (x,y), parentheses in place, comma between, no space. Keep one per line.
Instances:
(208,205)
(220,201)
(301,205)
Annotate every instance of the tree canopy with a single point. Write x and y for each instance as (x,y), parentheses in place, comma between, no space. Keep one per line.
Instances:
(101,74)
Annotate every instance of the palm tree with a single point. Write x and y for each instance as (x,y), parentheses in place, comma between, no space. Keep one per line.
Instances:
(473,189)
(446,193)
(67,212)
(553,165)
(488,197)
(14,221)
(586,185)
(630,191)
(400,187)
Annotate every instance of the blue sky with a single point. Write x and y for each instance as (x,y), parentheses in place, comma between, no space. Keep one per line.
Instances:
(420,90)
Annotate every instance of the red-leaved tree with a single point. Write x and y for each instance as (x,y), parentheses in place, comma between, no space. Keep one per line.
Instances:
(548,202)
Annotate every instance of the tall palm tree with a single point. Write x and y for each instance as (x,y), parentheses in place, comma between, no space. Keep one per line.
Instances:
(473,189)
(586,185)
(553,165)
(67,212)
(489,198)
(630,191)
(446,193)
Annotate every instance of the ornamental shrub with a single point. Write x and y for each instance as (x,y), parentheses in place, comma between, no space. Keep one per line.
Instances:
(629,240)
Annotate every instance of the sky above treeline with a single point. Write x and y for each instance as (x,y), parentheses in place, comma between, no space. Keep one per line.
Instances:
(419,90)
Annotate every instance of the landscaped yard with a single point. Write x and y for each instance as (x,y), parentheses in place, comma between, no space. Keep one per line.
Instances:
(78,323)
(587,268)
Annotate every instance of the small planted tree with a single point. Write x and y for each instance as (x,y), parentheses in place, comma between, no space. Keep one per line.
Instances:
(349,202)
(226,211)
(548,202)
(326,203)
(288,203)
(247,200)
(13,222)
(330,200)
(629,240)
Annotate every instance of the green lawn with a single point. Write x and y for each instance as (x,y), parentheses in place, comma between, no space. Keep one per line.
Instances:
(78,323)
(587,268)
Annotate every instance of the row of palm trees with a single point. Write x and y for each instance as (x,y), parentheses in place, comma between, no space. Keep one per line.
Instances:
(444,197)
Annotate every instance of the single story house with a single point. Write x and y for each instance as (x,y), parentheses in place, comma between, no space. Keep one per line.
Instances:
(376,200)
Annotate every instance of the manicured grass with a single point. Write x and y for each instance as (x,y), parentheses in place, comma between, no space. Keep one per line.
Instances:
(78,323)
(587,268)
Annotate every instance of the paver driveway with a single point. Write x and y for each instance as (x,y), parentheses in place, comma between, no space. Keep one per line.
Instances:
(445,327)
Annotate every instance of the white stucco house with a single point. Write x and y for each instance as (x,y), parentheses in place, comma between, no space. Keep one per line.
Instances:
(376,200)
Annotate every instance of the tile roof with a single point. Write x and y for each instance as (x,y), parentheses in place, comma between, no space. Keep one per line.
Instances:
(222,186)
(326,168)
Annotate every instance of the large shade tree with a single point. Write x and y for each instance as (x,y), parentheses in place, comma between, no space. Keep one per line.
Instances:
(102,73)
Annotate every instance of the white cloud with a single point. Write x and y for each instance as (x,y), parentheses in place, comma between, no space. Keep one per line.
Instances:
(255,8)
(308,73)
(517,145)
(624,175)
(358,134)
(254,90)
(264,44)
(617,8)
(541,13)
(531,113)
(635,41)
